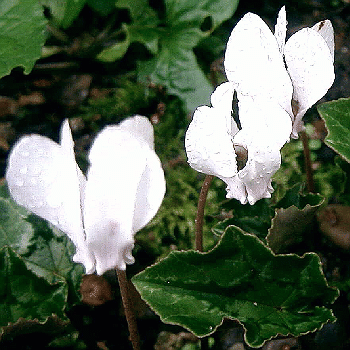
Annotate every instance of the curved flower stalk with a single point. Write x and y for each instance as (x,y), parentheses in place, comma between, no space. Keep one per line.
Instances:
(276,82)
(100,213)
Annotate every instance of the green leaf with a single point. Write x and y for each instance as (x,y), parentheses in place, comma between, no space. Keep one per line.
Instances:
(51,253)
(254,219)
(45,250)
(176,66)
(23,294)
(294,217)
(336,115)
(64,12)
(240,279)
(104,7)
(177,69)
(116,51)
(22,34)
(143,29)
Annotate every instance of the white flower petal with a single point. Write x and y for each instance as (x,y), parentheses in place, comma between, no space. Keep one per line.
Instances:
(256,175)
(150,192)
(310,66)
(208,143)
(221,99)
(254,64)
(44,177)
(281,29)
(266,127)
(259,115)
(123,170)
(235,188)
(325,29)
(140,127)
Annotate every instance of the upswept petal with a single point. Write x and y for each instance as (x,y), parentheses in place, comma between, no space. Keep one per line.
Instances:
(325,29)
(254,63)
(152,188)
(123,170)
(281,29)
(140,127)
(43,177)
(208,138)
(310,65)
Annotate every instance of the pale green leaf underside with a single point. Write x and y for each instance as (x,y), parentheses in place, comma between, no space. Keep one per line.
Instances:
(239,279)
(336,115)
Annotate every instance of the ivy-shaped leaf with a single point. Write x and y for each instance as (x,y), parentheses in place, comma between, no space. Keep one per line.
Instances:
(176,67)
(43,249)
(336,115)
(22,34)
(255,218)
(172,41)
(25,295)
(240,279)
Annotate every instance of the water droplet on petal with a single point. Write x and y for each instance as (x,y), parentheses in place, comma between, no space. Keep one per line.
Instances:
(25,154)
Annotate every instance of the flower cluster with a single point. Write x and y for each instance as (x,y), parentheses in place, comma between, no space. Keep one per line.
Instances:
(276,82)
(100,213)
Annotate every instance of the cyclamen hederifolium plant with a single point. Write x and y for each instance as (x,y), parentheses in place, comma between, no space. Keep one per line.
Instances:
(276,83)
(101,212)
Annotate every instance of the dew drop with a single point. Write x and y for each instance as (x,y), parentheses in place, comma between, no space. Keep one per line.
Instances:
(255,303)
(211,328)
(25,154)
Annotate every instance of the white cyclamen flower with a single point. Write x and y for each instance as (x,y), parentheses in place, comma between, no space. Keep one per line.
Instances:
(100,213)
(276,82)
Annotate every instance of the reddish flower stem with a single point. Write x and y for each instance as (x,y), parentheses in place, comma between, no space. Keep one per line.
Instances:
(128,309)
(308,163)
(199,230)
(200,212)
